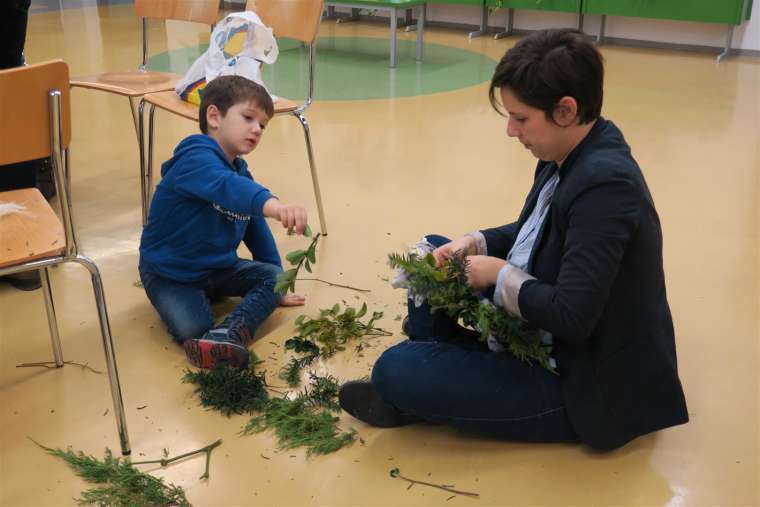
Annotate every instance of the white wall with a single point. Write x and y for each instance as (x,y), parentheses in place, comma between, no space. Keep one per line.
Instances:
(746,36)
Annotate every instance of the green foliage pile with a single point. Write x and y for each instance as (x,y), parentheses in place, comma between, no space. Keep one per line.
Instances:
(304,421)
(287,281)
(325,336)
(121,484)
(307,420)
(445,288)
(229,390)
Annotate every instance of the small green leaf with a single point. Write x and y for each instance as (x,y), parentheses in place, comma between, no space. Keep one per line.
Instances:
(307,266)
(295,256)
(362,312)
(307,232)
(335,309)
(312,254)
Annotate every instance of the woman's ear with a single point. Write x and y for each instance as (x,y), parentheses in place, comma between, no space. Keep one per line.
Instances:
(566,112)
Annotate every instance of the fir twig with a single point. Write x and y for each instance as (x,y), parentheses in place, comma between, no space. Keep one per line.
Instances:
(51,365)
(396,473)
(229,390)
(305,421)
(121,484)
(331,284)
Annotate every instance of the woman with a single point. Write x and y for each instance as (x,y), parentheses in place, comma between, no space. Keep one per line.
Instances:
(583,263)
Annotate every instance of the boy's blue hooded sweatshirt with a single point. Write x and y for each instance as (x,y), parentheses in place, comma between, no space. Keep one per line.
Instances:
(201,210)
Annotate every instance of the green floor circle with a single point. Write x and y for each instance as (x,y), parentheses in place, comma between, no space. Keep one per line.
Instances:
(357,68)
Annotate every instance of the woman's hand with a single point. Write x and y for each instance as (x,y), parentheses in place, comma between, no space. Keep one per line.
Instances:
(483,271)
(465,244)
(292,300)
(292,216)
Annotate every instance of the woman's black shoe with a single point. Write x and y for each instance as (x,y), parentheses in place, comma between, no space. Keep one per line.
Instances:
(362,401)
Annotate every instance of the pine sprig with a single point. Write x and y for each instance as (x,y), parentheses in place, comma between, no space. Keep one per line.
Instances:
(229,390)
(445,288)
(306,420)
(287,281)
(326,335)
(121,484)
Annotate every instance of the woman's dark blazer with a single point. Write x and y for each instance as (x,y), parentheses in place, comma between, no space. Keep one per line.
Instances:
(600,291)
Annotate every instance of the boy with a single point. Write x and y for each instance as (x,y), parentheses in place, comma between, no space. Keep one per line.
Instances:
(206,203)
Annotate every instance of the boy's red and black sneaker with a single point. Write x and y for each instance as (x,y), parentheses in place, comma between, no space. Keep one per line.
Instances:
(216,347)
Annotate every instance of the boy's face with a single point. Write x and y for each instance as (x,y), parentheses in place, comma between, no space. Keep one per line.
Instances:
(545,139)
(239,131)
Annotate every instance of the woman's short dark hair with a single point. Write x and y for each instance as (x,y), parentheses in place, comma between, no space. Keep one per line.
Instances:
(547,65)
(226,91)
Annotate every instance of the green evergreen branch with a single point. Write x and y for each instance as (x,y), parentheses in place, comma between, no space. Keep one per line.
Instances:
(306,420)
(121,484)
(229,390)
(445,288)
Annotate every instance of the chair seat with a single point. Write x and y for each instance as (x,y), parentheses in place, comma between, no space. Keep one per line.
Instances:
(131,84)
(170,101)
(29,234)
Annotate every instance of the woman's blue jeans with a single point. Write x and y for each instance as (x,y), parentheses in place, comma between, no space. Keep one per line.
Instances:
(185,307)
(444,375)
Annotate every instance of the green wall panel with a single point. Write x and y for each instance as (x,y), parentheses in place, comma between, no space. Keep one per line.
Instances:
(539,5)
(710,11)
(458,2)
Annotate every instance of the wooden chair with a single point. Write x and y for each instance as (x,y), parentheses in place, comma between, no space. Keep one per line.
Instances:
(295,19)
(135,84)
(33,238)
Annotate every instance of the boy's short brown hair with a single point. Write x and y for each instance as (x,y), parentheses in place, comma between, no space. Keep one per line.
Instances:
(226,91)
(547,65)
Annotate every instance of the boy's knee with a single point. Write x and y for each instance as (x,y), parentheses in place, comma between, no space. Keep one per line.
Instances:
(189,328)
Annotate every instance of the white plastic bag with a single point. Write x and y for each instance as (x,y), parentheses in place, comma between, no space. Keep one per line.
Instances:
(239,45)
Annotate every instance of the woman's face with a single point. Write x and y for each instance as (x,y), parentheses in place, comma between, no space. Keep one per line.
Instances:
(530,126)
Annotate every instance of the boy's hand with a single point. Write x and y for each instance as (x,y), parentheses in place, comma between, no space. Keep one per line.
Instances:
(292,300)
(292,216)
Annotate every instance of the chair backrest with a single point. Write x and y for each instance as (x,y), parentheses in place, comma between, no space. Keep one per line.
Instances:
(25,111)
(295,19)
(197,11)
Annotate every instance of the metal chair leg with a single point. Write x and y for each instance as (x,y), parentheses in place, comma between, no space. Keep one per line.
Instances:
(105,331)
(134,116)
(149,172)
(313,168)
(141,142)
(52,321)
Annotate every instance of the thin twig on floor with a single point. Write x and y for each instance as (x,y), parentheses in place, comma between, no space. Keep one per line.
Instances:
(165,461)
(334,284)
(51,365)
(396,473)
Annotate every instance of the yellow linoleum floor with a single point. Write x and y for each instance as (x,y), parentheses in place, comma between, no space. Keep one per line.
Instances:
(392,170)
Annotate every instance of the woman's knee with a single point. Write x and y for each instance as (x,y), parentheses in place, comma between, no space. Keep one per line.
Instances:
(394,371)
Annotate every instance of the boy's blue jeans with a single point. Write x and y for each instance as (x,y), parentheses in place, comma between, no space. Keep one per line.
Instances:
(185,307)
(444,375)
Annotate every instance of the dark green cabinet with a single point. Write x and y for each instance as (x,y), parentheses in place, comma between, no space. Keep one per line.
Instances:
(538,5)
(728,12)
